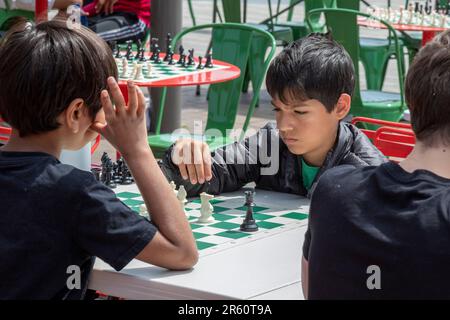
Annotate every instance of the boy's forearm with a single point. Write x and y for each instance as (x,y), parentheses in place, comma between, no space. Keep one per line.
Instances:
(159,198)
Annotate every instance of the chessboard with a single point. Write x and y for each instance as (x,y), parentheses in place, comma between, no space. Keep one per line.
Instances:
(418,13)
(134,63)
(273,216)
(152,71)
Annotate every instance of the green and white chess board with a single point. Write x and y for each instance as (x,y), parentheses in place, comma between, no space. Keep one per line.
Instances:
(152,71)
(273,216)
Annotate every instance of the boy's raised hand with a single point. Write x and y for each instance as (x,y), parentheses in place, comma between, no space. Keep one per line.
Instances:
(125,125)
(193,159)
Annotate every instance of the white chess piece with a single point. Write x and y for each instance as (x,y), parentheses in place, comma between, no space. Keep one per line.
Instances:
(149,68)
(206,209)
(174,188)
(182,194)
(138,74)
(144,212)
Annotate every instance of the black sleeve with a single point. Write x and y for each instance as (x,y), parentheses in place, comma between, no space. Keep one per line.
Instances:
(233,165)
(319,207)
(108,229)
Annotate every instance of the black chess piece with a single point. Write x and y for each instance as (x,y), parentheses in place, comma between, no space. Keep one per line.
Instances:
(191,58)
(138,47)
(142,55)
(249,224)
(168,40)
(96,172)
(109,181)
(129,54)
(157,57)
(181,50)
(170,59)
(154,55)
(169,53)
(153,43)
(118,54)
(116,173)
(209,63)
(126,175)
(200,66)
(183,60)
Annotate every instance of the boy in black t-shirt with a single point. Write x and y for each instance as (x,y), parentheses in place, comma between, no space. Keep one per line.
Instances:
(384,232)
(55,93)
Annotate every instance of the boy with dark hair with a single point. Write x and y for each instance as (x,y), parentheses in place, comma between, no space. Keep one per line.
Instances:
(311,82)
(56,218)
(384,232)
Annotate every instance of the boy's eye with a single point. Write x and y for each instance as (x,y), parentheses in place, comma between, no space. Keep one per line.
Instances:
(300,112)
(275,109)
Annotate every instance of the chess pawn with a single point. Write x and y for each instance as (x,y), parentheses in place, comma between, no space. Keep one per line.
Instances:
(181,196)
(206,209)
(200,66)
(124,68)
(138,75)
(249,224)
(174,188)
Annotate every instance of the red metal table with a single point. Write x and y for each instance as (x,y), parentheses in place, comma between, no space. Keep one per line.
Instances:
(428,32)
(201,77)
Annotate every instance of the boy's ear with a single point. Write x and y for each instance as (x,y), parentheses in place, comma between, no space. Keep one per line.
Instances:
(74,114)
(343,106)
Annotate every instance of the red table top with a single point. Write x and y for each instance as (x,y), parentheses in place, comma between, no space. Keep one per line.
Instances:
(193,79)
(400,27)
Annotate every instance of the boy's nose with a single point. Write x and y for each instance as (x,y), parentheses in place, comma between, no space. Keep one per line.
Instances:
(284,124)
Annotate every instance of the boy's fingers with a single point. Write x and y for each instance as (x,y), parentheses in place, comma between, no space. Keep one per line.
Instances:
(141,102)
(183,171)
(107,105)
(132,97)
(207,162)
(116,94)
(198,161)
(192,175)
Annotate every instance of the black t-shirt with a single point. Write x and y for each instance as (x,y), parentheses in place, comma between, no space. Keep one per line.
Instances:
(385,217)
(54,216)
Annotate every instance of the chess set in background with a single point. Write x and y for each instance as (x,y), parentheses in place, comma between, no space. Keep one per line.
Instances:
(427,13)
(137,66)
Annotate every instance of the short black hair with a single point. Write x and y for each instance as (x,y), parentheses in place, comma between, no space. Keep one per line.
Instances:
(43,68)
(427,91)
(314,67)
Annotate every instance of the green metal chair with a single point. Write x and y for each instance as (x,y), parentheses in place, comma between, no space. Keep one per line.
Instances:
(370,103)
(8,13)
(375,53)
(240,45)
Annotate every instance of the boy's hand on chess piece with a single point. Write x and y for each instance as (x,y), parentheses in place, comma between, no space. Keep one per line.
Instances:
(193,159)
(125,125)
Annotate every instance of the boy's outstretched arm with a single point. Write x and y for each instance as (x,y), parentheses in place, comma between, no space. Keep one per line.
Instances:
(173,246)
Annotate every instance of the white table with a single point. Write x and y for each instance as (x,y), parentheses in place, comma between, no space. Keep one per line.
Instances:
(267,268)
